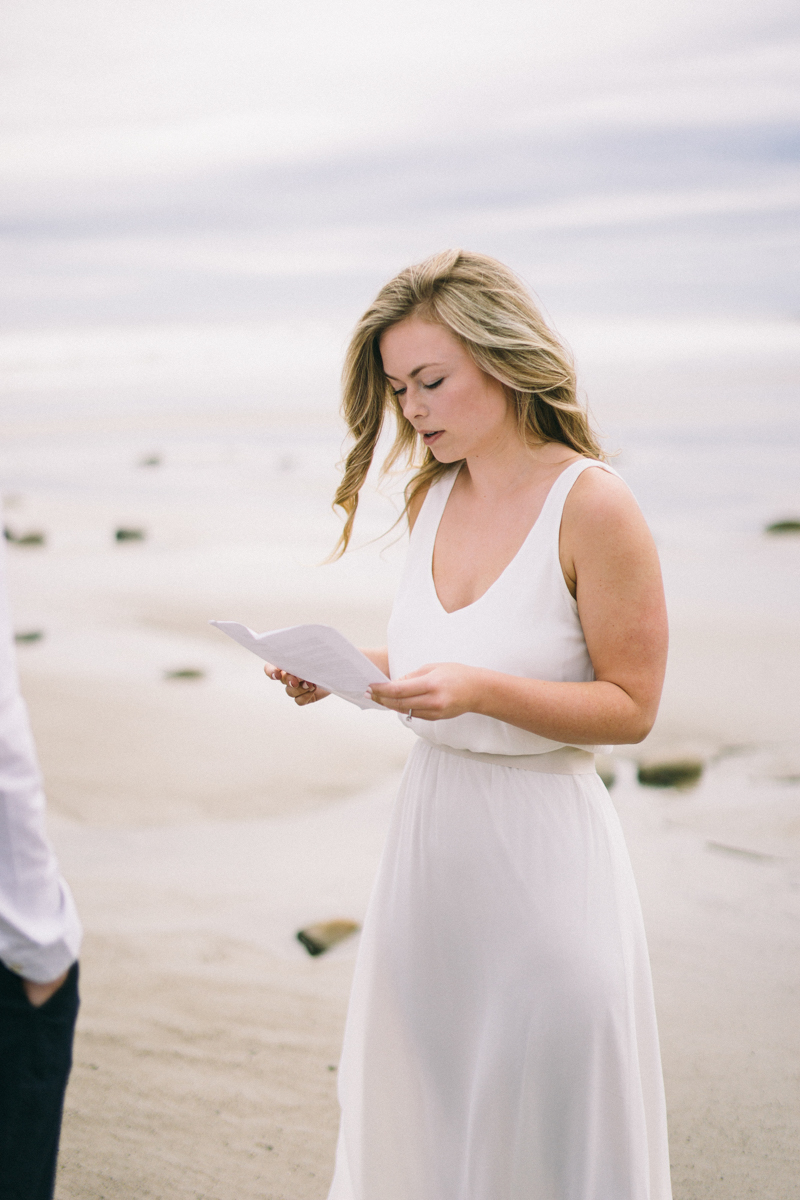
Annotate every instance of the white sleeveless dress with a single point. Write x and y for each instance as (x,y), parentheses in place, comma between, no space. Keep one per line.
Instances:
(501,1039)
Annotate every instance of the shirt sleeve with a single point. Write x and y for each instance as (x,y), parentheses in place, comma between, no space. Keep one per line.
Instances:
(40,933)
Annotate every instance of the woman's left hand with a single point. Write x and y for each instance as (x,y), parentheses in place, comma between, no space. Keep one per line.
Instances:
(435,692)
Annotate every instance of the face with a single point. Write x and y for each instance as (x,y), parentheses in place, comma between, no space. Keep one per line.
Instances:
(456,408)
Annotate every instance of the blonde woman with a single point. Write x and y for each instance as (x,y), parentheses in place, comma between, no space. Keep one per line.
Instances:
(501,1040)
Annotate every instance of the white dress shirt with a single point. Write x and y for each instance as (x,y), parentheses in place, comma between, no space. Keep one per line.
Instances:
(40,933)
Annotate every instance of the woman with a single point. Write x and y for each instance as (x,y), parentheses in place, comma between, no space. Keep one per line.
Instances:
(501,1040)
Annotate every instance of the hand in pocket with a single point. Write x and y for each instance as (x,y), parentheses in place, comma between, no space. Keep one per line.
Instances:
(39,993)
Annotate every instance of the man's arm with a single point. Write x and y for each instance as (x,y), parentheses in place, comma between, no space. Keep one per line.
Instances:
(40,933)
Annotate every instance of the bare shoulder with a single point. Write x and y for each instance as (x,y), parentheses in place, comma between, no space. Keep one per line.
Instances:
(600,502)
(603,529)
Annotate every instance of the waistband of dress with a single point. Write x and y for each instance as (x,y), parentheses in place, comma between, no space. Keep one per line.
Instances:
(567,760)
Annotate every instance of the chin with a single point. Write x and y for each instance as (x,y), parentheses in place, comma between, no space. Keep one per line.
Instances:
(443,455)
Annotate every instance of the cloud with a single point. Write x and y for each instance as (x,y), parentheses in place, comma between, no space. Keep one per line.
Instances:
(138,87)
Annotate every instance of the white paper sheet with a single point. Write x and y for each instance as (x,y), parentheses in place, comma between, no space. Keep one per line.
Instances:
(318,653)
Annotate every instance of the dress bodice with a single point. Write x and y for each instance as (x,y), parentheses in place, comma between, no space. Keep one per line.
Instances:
(525,624)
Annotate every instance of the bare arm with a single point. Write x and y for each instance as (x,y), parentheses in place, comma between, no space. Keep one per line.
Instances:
(379,655)
(609,559)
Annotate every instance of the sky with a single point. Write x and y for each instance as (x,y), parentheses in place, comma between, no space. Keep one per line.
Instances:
(103,90)
(246,161)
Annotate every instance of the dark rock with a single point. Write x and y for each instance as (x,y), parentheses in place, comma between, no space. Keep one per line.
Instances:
(29,636)
(319,938)
(130,535)
(791,525)
(150,460)
(34,537)
(185,673)
(683,773)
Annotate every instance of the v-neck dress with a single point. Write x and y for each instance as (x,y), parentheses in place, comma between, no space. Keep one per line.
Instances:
(501,1039)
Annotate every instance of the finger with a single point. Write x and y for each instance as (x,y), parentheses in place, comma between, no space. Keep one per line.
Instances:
(391,691)
(304,685)
(419,703)
(419,714)
(401,689)
(415,683)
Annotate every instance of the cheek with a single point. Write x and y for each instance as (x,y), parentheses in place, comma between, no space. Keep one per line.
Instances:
(458,404)
(479,412)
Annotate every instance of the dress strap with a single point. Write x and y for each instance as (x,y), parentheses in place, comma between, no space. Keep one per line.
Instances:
(430,514)
(553,508)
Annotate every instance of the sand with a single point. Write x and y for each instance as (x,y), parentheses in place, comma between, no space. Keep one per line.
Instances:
(205,1062)
(202,822)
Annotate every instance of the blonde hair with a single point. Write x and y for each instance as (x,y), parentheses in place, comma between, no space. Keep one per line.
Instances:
(494,317)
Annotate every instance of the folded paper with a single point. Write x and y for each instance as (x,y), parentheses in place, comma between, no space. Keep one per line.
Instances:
(317,653)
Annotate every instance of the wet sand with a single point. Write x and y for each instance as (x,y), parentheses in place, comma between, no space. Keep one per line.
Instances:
(201,822)
(205,1064)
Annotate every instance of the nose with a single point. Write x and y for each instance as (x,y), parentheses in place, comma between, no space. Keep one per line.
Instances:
(413,403)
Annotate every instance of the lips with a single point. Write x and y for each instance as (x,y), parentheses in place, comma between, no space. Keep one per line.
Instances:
(430,437)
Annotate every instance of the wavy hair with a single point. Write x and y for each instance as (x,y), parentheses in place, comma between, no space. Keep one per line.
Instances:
(494,317)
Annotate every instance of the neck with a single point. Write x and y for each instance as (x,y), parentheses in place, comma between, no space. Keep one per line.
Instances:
(508,464)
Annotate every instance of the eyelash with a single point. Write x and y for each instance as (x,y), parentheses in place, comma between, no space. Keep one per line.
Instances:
(428,387)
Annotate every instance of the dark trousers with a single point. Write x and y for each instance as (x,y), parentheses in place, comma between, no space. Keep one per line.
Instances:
(35,1061)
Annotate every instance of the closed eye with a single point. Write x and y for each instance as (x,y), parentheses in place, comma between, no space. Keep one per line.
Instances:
(428,387)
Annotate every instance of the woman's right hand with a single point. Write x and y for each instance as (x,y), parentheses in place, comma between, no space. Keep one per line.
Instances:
(300,690)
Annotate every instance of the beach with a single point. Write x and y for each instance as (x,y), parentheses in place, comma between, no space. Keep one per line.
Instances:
(197,203)
(202,819)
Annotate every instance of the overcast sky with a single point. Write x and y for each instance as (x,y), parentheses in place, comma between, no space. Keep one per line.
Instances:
(101,88)
(224,160)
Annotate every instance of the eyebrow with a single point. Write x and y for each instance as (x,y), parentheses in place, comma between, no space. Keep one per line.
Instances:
(413,374)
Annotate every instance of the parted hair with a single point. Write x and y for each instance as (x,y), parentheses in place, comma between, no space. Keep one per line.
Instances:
(495,318)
